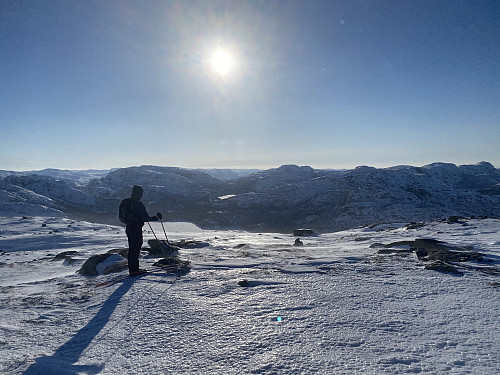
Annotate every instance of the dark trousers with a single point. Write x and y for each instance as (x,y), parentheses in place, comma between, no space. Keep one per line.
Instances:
(134,235)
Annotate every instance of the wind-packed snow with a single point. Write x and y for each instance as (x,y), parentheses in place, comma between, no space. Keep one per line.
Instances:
(251,304)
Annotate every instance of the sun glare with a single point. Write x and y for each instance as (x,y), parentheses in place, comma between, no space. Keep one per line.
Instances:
(222,62)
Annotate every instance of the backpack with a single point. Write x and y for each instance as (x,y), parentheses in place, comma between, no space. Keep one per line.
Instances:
(126,211)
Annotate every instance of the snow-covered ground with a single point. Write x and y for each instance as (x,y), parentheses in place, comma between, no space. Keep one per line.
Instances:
(334,305)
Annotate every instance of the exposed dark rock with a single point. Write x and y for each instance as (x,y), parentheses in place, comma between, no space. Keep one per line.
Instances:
(170,261)
(243,283)
(298,242)
(400,243)
(395,247)
(174,264)
(455,220)
(123,252)
(89,268)
(252,283)
(65,256)
(93,267)
(417,191)
(241,246)
(360,239)
(396,251)
(190,244)
(441,255)
(415,225)
(162,248)
(492,190)
(445,254)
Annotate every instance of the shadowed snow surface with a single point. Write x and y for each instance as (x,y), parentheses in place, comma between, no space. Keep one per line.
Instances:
(333,305)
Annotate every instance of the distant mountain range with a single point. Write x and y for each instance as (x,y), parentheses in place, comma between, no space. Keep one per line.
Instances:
(279,199)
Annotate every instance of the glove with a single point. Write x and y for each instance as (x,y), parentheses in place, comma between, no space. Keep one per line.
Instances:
(159,216)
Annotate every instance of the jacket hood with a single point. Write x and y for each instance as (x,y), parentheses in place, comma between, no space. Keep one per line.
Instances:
(137,192)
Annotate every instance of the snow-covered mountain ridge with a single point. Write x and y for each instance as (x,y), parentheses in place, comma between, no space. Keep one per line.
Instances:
(277,199)
(81,176)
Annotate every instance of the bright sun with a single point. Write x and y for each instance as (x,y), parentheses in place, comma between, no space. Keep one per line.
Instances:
(222,62)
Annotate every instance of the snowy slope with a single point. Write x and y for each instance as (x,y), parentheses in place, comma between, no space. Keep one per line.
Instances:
(80,176)
(158,180)
(293,196)
(65,192)
(16,200)
(342,303)
(228,174)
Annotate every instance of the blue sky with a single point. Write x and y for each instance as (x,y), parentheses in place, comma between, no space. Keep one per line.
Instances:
(330,84)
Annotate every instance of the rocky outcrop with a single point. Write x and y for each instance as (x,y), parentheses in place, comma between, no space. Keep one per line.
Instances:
(102,264)
(175,265)
(66,257)
(492,190)
(440,256)
(161,248)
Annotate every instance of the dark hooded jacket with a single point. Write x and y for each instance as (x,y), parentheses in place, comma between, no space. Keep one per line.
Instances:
(137,208)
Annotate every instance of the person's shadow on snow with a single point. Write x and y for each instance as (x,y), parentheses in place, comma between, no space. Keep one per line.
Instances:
(62,361)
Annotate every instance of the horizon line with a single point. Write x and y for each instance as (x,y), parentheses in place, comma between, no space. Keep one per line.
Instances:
(339,167)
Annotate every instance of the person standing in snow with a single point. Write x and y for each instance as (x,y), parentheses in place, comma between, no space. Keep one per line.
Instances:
(134,215)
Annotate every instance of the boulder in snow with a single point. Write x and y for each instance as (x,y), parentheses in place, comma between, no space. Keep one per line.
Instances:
(100,264)
(162,248)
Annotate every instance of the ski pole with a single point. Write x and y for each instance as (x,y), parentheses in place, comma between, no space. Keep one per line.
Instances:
(159,243)
(164,231)
(154,234)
